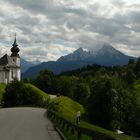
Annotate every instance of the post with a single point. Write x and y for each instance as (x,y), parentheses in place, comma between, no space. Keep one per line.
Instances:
(78,117)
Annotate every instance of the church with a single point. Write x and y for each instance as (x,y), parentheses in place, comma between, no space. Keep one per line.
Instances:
(10,65)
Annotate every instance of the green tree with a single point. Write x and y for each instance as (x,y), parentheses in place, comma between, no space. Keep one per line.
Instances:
(18,94)
(82,93)
(66,85)
(137,68)
(108,102)
(45,81)
(129,76)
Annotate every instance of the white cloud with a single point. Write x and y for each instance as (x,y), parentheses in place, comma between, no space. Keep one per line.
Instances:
(47,29)
(42,53)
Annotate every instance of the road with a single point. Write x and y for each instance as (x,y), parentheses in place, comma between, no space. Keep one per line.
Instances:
(26,124)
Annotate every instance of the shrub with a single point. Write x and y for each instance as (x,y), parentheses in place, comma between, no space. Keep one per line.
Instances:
(18,94)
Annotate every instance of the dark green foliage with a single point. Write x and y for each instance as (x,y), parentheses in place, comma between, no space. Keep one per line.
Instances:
(66,85)
(134,122)
(18,94)
(82,93)
(108,93)
(129,76)
(45,81)
(101,104)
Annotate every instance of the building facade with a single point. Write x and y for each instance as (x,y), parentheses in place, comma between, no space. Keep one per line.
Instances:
(10,65)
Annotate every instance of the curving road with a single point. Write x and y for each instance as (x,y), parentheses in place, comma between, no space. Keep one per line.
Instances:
(26,124)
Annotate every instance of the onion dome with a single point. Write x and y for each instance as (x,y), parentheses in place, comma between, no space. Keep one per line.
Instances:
(15,48)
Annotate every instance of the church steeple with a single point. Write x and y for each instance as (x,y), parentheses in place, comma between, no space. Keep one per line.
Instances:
(15,48)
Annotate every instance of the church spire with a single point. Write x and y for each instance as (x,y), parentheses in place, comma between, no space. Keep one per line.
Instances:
(15,48)
(15,41)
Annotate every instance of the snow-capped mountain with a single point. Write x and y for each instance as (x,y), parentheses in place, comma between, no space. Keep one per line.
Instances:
(107,56)
(79,54)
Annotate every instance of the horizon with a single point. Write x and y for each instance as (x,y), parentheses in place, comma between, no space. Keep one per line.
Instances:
(85,50)
(48,31)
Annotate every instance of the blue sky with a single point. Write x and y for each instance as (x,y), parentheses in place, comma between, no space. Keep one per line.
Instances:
(47,29)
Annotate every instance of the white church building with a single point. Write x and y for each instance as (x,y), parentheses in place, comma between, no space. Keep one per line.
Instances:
(10,65)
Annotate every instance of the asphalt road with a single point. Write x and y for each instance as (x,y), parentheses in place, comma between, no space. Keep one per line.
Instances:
(26,124)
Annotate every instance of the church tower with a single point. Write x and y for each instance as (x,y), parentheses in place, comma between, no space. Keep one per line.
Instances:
(16,58)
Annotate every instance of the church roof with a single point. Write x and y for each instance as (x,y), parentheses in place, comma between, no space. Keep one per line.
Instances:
(6,60)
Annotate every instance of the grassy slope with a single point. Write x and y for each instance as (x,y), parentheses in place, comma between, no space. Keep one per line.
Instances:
(2,90)
(67,108)
(38,91)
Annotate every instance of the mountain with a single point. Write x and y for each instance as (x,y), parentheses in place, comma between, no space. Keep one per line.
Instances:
(25,65)
(107,56)
(79,54)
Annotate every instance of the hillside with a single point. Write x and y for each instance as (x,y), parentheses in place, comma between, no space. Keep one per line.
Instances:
(36,90)
(67,108)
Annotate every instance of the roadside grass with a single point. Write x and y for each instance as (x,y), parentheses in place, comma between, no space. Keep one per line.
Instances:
(70,136)
(2,90)
(45,97)
(67,108)
(37,91)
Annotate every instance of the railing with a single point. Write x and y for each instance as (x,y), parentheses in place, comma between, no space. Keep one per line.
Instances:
(76,129)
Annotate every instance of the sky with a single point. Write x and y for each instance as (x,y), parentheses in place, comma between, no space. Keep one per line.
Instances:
(48,29)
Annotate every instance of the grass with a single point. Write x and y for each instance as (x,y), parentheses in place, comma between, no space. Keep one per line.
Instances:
(70,136)
(67,109)
(2,90)
(37,91)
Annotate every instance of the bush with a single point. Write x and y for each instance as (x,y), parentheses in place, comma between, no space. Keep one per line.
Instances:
(19,94)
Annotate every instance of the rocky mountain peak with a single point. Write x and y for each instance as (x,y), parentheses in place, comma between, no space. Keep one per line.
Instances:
(77,55)
(79,50)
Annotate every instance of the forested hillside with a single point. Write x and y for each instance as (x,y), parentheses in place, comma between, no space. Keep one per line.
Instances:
(110,94)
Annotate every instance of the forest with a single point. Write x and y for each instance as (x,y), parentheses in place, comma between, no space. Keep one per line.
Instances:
(111,95)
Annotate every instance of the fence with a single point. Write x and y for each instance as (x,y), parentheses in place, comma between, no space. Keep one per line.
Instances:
(76,129)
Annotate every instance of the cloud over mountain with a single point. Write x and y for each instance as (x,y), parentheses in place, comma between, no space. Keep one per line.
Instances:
(47,29)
